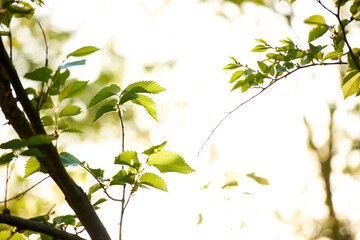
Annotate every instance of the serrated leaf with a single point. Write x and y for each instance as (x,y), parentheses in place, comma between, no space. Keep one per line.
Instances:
(110,106)
(231,66)
(260,48)
(70,110)
(103,94)
(348,76)
(42,74)
(128,158)
(259,180)
(13,144)
(73,64)
(315,19)
(73,89)
(6,158)
(236,75)
(153,180)
(167,161)
(97,172)
(155,148)
(83,51)
(351,86)
(317,32)
(123,177)
(147,103)
(32,166)
(58,80)
(131,91)
(68,159)
(32,152)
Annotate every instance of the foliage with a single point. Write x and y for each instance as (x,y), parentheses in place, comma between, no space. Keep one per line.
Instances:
(50,106)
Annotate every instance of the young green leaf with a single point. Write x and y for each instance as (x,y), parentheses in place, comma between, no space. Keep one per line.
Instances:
(153,180)
(98,202)
(66,219)
(110,106)
(261,41)
(231,66)
(147,103)
(128,158)
(63,124)
(59,79)
(352,86)
(130,92)
(103,94)
(13,144)
(94,188)
(230,184)
(317,32)
(84,51)
(6,158)
(73,89)
(263,67)
(10,234)
(32,166)
(260,48)
(42,74)
(73,64)
(167,161)
(236,75)
(32,152)
(47,121)
(333,55)
(70,110)
(97,172)
(259,180)
(315,19)
(68,159)
(123,177)
(155,149)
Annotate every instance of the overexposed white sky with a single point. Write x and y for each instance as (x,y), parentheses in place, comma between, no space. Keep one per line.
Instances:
(266,136)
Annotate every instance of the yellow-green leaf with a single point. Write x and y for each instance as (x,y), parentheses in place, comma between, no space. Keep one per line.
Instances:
(351,86)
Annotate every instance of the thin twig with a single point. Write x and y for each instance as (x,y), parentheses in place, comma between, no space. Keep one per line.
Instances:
(46,45)
(20,195)
(261,91)
(123,206)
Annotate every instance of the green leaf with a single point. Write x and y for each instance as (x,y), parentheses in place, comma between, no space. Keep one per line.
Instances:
(153,180)
(68,159)
(260,48)
(47,121)
(32,152)
(32,166)
(155,149)
(110,106)
(62,124)
(97,172)
(94,188)
(42,74)
(261,41)
(259,180)
(234,59)
(348,76)
(236,75)
(351,86)
(70,110)
(147,103)
(9,234)
(230,184)
(103,94)
(37,140)
(355,7)
(231,66)
(66,219)
(83,51)
(200,219)
(341,2)
(59,79)
(98,202)
(73,64)
(73,89)
(263,67)
(315,19)
(333,55)
(128,158)
(13,144)
(167,161)
(123,177)
(130,92)
(71,130)
(317,32)
(6,158)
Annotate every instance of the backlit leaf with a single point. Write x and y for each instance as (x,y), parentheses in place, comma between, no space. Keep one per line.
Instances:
(32,166)
(32,152)
(259,180)
(351,86)
(83,51)
(107,107)
(167,161)
(40,139)
(6,158)
(153,180)
(47,121)
(70,110)
(13,144)
(42,74)
(68,159)
(231,66)
(333,55)
(147,103)
(73,89)
(104,94)
(128,158)
(236,75)
(317,32)
(260,48)
(315,19)
(155,149)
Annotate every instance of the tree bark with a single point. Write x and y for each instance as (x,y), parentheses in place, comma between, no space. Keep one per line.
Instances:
(30,125)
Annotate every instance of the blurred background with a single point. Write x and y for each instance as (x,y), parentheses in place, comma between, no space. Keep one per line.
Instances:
(300,135)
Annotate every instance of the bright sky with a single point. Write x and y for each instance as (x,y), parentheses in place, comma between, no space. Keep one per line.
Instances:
(266,136)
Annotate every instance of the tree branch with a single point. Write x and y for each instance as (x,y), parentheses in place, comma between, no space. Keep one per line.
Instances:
(27,224)
(74,195)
